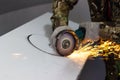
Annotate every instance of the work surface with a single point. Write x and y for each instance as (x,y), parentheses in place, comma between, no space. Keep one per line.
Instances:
(19,60)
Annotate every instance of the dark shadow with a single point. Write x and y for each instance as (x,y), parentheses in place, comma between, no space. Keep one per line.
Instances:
(48,30)
(93,70)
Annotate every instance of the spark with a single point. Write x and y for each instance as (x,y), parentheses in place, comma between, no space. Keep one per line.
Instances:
(89,50)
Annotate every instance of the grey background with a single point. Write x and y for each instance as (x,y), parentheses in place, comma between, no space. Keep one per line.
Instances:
(14,13)
(10,5)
